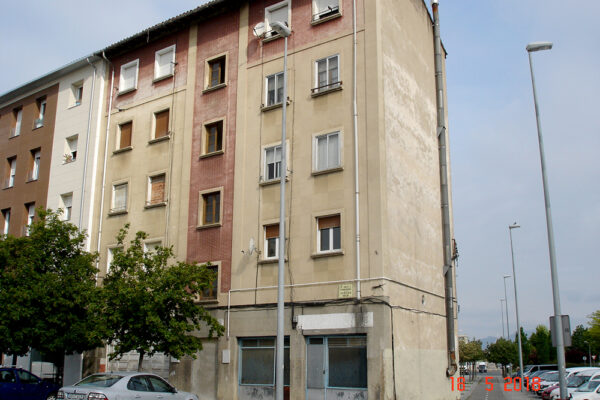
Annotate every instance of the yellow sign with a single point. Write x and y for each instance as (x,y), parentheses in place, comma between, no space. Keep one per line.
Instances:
(345,291)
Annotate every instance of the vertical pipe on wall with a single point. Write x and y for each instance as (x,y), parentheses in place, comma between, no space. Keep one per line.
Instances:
(355,127)
(87,143)
(445,194)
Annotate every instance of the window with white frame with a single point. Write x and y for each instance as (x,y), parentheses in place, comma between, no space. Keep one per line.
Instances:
(272,163)
(257,361)
(329,237)
(271,246)
(71,148)
(325,8)
(279,12)
(30,208)
(327,73)
(156,190)
(274,89)
(5,221)
(18,113)
(152,246)
(129,76)
(119,197)
(161,124)
(39,122)
(35,165)
(67,205)
(77,90)
(327,151)
(12,168)
(164,62)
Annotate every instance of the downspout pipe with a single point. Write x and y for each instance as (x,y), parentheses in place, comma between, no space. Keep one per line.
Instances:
(448,269)
(355,127)
(87,143)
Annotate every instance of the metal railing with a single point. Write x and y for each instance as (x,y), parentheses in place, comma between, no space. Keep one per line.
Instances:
(326,87)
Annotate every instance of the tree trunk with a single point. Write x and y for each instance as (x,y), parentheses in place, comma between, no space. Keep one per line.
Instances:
(14,360)
(140,360)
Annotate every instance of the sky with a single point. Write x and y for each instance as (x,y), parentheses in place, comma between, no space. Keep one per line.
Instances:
(495,162)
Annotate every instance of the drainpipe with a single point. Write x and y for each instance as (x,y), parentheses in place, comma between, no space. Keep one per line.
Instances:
(87,142)
(355,126)
(445,194)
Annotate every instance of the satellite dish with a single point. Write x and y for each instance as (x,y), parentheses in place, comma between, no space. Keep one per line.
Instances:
(259,30)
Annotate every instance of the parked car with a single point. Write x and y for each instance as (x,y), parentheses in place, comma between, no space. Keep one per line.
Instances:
(529,369)
(588,391)
(122,386)
(548,378)
(18,383)
(576,381)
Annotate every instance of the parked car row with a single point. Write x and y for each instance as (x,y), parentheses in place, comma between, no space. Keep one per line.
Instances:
(582,384)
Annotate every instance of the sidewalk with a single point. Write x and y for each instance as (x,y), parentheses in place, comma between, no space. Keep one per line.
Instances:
(470,386)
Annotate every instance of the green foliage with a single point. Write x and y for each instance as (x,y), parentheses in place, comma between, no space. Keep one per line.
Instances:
(594,330)
(502,352)
(542,342)
(470,352)
(48,290)
(150,305)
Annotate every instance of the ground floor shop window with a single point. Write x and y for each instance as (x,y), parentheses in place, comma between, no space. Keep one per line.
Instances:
(257,361)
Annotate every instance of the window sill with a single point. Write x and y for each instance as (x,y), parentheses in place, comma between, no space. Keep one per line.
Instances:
(113,213)
(74,105)
(270,261)
(214,153)
(213,88)
(272,181)
(325,19)
(36,127)
(326,91)
(272,37)
(14,136)
(162,78)
(327,171)
(69,162)
(122,92)
(31,180)
(333,253)
(264,108)
(8,187)
(209,226)
(207,301)
(155,205)
(123,150)
(160,139)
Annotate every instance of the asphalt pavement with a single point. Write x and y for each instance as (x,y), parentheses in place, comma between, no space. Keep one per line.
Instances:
(491,386)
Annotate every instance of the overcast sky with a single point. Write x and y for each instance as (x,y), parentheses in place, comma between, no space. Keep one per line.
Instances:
(496,173)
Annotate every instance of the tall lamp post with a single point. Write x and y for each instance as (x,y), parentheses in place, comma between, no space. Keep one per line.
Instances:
(589,351)
(560,345)
(284,31)
(506,306)
(512,254)
(502,315)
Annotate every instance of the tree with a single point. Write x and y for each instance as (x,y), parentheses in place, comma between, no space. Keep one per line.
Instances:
(594,323)
(542,342)
(150,303)
(579,347)
(48,290)
(502,352)
(471,352)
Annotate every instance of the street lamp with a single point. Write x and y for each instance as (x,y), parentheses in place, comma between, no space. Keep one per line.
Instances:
(589,351)
(512,253)
(560,345)
(284,31)
(502,315)
(506,305)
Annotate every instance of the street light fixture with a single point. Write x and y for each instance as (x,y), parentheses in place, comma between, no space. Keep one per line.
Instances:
(560,345)
(284,31)
(506,305)
(512,253)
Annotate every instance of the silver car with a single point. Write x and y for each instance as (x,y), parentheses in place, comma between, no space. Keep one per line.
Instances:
(123,386)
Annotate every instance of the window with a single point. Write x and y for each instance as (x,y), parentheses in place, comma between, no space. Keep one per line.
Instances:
(328,234)
(277,12)
(77,89)
(272,163)
(325,8)
(129,76)
(119,198)
(39,122)
(271,241)
(161,124)
(27,379)
(67,205)
(274,90)
(156,190)
(5,220)
(327,151)
(35,165)
(210,293)
(71,149)
(216,72)
(110,256)
(125,131)
(214,137)
(327,74)
(164,62)
(30,209)
(211,208)
(18,113)
(152,246)
(257,361)
(336,362)
(139,384)
(12,171)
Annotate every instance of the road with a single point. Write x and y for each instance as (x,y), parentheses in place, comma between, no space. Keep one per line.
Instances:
(491,386)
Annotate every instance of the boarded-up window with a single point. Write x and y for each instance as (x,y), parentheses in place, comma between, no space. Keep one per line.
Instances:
(125,134)
(157,189)
(161,124)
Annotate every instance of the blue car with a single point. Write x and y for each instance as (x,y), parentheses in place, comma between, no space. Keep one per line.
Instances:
(19,384)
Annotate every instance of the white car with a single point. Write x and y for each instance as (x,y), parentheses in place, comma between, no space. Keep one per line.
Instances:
(576,381)
(589,391)
(123,386)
